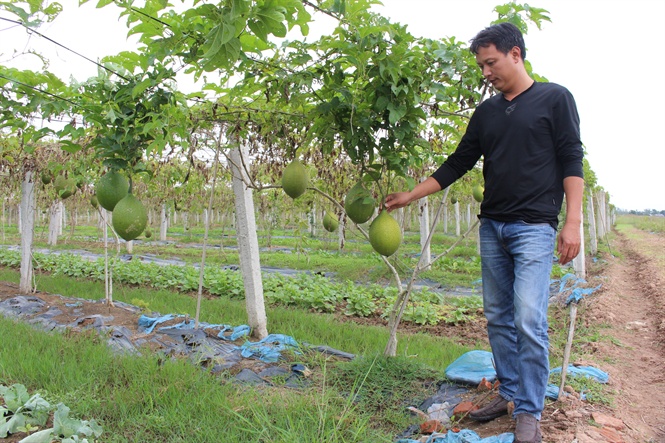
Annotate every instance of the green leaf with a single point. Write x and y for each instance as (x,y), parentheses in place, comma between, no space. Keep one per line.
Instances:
(15,396)
(141,87)
(218,37)
(396,113)
(11,426)
(44,436)
(69,146)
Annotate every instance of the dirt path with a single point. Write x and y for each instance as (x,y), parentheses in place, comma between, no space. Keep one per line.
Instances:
(631,305)
(629,312)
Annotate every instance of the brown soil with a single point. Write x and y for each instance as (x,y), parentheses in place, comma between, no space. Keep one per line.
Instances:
(630,307)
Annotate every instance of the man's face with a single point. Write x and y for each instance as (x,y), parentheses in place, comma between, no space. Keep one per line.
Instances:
(499,68)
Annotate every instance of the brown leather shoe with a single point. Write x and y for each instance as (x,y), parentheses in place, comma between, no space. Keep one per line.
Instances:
(495,408)
(527,429)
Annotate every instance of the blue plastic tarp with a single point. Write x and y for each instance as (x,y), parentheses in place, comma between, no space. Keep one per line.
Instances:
(472,367)
(149,323)
(270,348)
(464,436)
(576,371)
(236,333)
(584,371)
(570,282)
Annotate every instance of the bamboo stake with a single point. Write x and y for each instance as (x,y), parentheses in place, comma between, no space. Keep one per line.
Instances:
(205,234)
(569,344)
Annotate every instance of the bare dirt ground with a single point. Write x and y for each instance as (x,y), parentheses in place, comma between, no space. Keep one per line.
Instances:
(629,307)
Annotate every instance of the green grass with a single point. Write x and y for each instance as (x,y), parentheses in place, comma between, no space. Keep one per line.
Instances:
(149,400)
(356,262)
(315,329)
(643,222)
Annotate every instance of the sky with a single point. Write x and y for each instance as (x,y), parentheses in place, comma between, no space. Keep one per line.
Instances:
(608,53)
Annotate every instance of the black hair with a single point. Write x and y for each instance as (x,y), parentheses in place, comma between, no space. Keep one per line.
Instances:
(505,36)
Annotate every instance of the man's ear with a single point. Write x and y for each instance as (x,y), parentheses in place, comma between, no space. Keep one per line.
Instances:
(516,53)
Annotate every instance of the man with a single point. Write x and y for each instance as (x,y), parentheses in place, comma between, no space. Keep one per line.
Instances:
(528,136)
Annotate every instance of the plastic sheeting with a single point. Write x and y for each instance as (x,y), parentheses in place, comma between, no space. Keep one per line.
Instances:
(464,436)
(584,371)
(472,367)
(572,285)
(270,348)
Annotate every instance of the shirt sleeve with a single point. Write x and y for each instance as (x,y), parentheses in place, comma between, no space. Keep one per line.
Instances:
(567,139)
(464,158)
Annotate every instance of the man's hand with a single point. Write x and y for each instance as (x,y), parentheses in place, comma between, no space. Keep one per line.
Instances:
(568,245)
(397,200)
(570,237)
(401,199)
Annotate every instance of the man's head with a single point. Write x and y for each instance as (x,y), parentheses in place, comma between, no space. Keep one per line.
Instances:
(500,53)
(504,36)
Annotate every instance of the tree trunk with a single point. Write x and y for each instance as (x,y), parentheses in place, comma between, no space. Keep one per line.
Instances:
(28,227)
(445,217)
(423,215)
(248,245)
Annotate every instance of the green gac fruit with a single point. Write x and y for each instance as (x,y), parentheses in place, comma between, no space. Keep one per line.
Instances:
(453,200)
(147,233)
(46,177)
(478,192)
(295,179)
(94,202)
(359,204)
(129,217)
(65,187)
(330,223)
(110,189)
(385,236)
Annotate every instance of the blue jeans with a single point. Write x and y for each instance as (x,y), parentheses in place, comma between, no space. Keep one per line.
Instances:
(516,266)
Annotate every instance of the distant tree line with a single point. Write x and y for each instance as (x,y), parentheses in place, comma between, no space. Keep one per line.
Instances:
(643,212)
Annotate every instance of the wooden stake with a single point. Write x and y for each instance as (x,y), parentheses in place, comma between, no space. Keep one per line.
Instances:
(566,352)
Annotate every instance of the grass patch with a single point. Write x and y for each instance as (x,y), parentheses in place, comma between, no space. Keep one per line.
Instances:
(655,224)
(151,399)
(290,248)
(147,399)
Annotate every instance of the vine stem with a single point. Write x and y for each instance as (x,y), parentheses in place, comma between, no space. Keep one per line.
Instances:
(403,297)
(390,266)
(207,228)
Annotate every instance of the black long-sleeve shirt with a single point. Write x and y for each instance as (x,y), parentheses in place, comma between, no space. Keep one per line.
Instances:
(529,145)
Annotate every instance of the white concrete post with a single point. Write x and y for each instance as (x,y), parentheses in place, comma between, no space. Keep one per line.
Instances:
(248,244)
(423,218)
(27,234)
